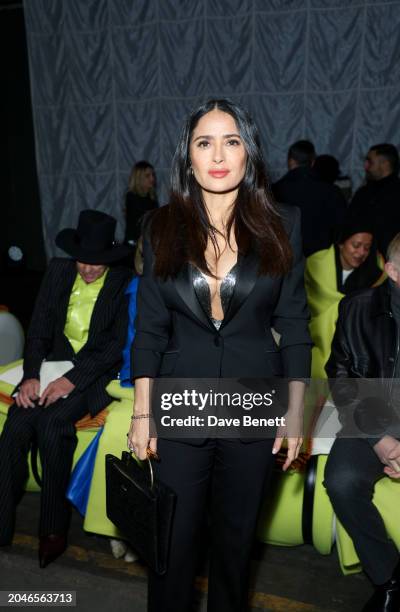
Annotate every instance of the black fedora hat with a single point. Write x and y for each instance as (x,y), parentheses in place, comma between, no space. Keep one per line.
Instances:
(93,241)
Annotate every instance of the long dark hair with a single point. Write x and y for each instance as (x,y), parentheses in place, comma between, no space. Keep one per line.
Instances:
(179,232)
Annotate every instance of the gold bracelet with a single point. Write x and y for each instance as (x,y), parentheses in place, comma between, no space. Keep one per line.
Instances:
(141,416)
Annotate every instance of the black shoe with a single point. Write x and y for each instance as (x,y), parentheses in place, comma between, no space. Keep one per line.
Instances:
(387,596)
(51,547)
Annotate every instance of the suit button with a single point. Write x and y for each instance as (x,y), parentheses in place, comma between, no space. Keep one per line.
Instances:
(391,359)
(216,340)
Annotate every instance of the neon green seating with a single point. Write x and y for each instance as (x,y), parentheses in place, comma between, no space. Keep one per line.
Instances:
(281,516)
(112,440)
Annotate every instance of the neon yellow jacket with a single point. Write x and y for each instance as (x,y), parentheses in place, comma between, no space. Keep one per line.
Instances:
(323,300)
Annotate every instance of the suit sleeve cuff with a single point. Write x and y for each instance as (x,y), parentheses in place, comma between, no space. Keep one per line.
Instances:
(145,363)
(31,373)
(77,378)
(296,361)
(373,441)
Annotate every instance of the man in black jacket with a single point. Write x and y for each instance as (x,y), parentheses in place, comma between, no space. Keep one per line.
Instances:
(80,317)
(379,199)
(366,345)
(322,205)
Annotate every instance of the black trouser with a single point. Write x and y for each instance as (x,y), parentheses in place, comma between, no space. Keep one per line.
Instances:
(351,472)
(233,474)
(53,428)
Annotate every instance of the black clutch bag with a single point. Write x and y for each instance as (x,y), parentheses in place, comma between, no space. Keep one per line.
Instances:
(141,507)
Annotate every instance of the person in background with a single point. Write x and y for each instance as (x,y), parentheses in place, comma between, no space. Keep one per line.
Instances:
(301,154)
(379,199)
(350,264)
(81,316)
(140,198)
(365,345)
(326,169)
(322,205)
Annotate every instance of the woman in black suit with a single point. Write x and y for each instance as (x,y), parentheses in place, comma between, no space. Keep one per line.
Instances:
(222,266)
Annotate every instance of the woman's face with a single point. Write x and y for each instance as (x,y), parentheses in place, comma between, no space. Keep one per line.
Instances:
(217,153)
(354,251)
(148,180)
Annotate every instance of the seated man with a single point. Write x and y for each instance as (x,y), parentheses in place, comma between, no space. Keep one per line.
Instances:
(366,345)
(80,316)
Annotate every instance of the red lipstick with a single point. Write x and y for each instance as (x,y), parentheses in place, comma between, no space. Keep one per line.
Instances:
(218,173)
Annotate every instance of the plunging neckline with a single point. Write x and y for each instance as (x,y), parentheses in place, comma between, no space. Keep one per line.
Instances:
(203,292)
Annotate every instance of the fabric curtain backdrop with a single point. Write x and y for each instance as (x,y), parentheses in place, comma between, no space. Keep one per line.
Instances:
(112,80)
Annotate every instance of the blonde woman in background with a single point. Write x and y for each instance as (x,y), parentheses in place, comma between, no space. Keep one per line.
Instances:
(140,198)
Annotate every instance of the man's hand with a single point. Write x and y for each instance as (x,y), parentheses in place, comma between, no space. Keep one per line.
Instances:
(28,392)
(56,389)
(388,451)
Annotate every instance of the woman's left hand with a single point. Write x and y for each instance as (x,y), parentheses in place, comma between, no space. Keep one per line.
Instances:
(293,445)
(292,428)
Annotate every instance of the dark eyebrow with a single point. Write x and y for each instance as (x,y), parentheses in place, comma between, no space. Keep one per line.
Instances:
(200,137)
(211,137)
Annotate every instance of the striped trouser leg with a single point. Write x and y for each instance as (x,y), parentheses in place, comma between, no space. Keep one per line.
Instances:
(57,442)
(15,440)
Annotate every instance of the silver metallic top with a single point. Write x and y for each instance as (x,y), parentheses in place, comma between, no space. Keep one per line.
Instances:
(202,290)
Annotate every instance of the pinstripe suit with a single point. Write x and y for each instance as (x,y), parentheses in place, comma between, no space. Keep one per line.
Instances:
(94,366)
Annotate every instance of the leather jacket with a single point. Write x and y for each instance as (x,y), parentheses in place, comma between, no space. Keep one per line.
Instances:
(366,346)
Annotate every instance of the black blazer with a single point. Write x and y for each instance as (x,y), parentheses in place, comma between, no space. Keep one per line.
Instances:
(175,338)
(98,361)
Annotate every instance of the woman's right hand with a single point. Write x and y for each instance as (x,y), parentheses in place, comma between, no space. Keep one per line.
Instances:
(139,440)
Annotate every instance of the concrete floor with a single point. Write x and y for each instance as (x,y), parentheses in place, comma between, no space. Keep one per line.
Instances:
(294,579)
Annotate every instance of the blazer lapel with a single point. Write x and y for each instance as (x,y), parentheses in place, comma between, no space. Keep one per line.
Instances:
(183,283)
(246,278)
(63,298)
(247,272)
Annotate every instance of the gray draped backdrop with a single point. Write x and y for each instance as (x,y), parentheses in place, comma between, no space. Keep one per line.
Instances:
(112,80)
